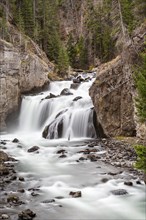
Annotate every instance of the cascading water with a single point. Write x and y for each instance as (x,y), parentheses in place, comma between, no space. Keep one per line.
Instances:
(65,116)
(60,167)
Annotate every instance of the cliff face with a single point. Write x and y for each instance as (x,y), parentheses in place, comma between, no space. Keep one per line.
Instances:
(24,67)
(113,92)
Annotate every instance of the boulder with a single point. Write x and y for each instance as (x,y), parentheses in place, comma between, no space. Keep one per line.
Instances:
(26,215)
(75,80)
(50,96)
(66,91)
(62,156)
(33,149)
(80,78)
(129,183)
(61,151)
(74,85)
(76,194)
(3,157)
(3,169)
(77,98)
(48,201)
(119,192)
(15,140)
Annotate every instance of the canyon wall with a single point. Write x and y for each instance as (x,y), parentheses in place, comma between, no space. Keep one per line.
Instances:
(113,92)
(23,67)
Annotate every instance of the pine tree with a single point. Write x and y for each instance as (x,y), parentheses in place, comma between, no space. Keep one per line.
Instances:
(141,158)
(140,80)
(63,61)
(71,50)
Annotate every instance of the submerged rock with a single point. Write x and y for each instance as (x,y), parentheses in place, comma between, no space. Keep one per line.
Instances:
(76,194)
(119,192)
(21,178)
(48,201)
(75,80)
(45,132)
(128,183)
(62,156)
(61,151)
(77,98)
(50,96)
(66,91)
(33,149)
(15,140)
(74,85)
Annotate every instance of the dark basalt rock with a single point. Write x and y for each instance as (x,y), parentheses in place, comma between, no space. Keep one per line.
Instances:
(82,158)
(34,194)
(119,192)
(26,215)
(128,183)
(104,180)
(59,197)
(15,140)
(33,149)
(80,78)
(60,113)
(48,201)
(45,132)
(3,142)
(50,96)
(21,178)
(21,190)
(138,182)
(66,91)
(74,85)
(61,151)
(62,156)
(75,80)
(76,194)
(77,98)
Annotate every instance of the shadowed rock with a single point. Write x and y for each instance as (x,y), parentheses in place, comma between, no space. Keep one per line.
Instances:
(66,91)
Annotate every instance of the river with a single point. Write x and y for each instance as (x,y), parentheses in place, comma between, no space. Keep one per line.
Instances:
(52,175)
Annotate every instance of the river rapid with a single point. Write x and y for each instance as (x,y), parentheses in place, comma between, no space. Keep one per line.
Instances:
(50,174)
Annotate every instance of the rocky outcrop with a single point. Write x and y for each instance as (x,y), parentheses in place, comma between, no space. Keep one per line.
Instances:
(23,67)
(112,97)
(113,92)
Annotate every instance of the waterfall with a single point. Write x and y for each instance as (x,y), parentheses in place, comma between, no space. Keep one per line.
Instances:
(62,116)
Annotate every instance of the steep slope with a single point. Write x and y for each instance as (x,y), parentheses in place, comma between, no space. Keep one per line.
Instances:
(24,67)
(113,92)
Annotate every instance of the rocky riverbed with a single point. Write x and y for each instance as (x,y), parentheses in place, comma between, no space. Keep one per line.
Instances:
(13,203)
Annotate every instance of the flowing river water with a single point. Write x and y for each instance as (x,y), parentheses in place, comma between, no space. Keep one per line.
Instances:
(52,177)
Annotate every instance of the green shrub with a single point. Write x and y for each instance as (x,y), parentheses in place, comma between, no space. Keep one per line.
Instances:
(141,158)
